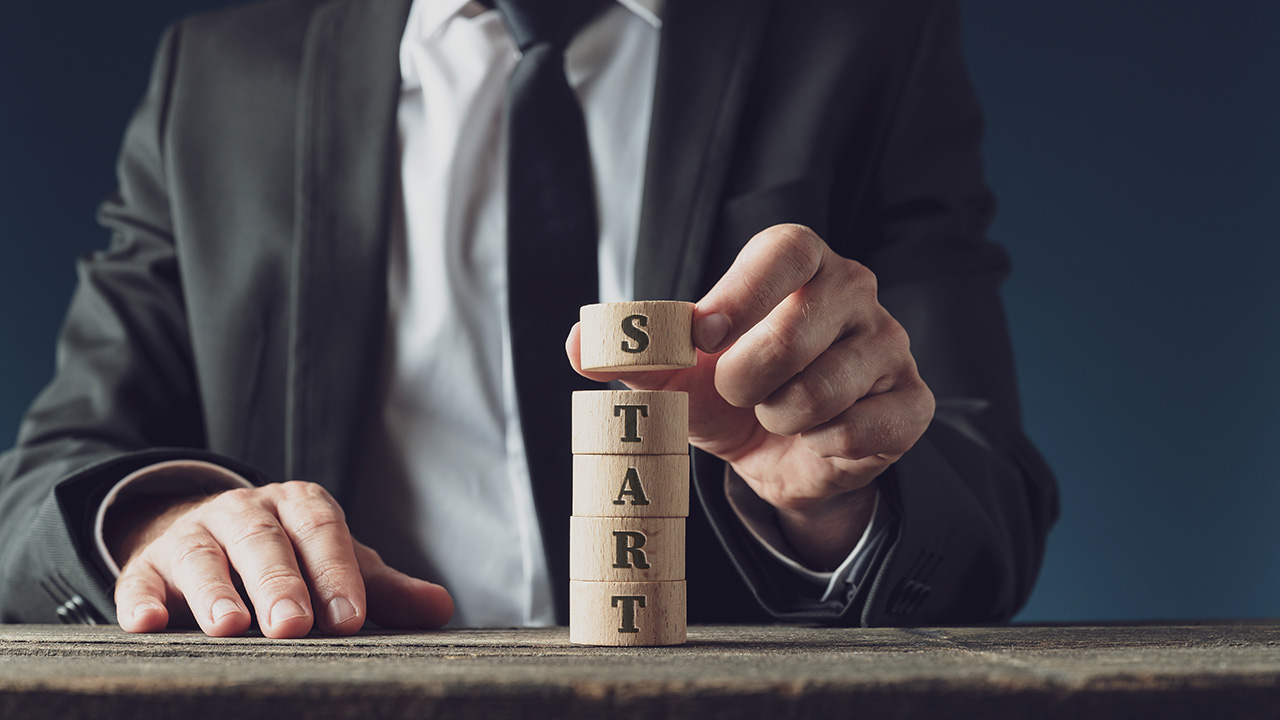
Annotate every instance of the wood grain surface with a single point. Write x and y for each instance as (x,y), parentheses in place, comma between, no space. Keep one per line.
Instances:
(1223,670)
(623,614)
(637,336)
(631,485)
(626,549)
(630,422)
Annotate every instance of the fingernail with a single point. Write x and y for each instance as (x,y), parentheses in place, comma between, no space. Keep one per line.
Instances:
(144,608)
(340,611)
(710,330)
(222,608)
(286,610)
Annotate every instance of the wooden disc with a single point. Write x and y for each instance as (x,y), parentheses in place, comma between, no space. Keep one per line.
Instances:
(626,549)
(627,614)
(637,336)
(631,485)
(630,422)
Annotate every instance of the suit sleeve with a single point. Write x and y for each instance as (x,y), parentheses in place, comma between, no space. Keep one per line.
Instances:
(973,501)
(123,396)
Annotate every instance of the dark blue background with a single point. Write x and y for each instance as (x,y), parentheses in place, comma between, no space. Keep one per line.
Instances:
(1135,146)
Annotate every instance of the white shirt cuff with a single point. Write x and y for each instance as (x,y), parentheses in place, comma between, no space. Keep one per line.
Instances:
(172,477)
(759,517)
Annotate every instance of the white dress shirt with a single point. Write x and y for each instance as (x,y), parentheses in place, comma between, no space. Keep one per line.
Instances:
(447,448)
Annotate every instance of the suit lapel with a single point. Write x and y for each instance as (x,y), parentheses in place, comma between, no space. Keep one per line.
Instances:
(704,67)
(346,145)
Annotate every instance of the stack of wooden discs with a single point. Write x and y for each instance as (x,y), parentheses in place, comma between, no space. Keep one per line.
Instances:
(630,480)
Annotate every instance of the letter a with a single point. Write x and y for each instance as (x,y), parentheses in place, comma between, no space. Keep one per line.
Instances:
(631,486)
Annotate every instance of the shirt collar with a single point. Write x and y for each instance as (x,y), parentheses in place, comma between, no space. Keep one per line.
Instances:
(430,15)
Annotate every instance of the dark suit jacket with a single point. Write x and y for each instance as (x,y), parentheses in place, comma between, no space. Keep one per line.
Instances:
(238,314)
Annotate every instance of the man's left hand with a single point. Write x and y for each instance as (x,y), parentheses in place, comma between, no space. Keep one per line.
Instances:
(804,384)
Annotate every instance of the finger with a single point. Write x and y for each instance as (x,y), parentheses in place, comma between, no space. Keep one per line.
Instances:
(261,552)
(775,263)
(858,366)
(881,426)
(399,601)
(839,301)
(199,570)
(573,348)
(318,531)
(140,598)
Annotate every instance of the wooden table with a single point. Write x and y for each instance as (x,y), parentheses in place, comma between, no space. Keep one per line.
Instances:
(1127,671)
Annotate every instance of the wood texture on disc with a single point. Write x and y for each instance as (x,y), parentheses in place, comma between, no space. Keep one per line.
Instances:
(626,549)
(630,422)
(637,336)
(627,614)
(631,485)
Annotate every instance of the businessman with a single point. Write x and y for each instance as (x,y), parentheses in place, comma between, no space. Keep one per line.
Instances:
(347,246)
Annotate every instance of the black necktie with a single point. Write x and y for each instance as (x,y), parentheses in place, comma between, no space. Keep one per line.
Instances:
(552,227)
(552,232)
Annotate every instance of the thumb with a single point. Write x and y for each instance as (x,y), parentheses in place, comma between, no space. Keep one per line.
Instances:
(773,265)
(399,601)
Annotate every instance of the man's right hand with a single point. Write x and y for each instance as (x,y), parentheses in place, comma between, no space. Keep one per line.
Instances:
(289,546)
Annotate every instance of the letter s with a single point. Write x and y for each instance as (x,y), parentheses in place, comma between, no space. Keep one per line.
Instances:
(641,337)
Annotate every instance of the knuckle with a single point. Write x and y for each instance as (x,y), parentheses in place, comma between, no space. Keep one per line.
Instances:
(318,523)
(799,249)
(330,575)
(810,397)
(262,529)
(858,440)
(278,579)
(731,391)
(197,549)
(734,376)
(304,489)
(851,443)
(237,500)
(758,289)
(753,380)
(894,437)
(862,277)
(776,262)
(131,584)
(777,420)
(896,433)
(892,331)
(925,404)
(800,242)
(311,496)
(782,343)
